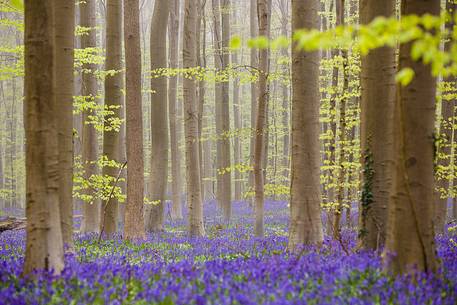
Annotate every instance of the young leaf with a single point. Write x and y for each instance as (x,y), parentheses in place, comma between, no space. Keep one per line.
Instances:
(235,42)
(405,76)
(17,4)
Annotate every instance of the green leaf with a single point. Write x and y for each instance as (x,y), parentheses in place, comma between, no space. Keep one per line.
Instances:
(235,42)
(282,42)
(260,42)
(405,76)
(17,4)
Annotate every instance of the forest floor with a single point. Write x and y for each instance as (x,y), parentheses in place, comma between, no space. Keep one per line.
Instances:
(229,266)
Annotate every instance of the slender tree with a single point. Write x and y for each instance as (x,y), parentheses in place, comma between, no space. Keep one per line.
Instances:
(254,62)
(113,102)
(221,57)
(306,224)
(91,210)
(410,235)
(446,132)
(342,134)
(64,90)
(2,174)
(237,120)
(201,62)
(225,175)
(217,46)
(332,145)
(173,38)
(159,118)
(44,245)
(134,223)
(284,7)
(378,104)
(264,14)
(194,196)
(205,144)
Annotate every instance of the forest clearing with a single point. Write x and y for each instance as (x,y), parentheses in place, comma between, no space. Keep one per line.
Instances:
(177,152)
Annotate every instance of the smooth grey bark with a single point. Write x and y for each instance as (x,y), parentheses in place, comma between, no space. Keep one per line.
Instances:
(410,245)
(134,221)
(377,108)
(64,90)
(176,181)
(91,210)
(264,15)
(194,197)
(113,102)
(44,245)
(154,213)
(306,225)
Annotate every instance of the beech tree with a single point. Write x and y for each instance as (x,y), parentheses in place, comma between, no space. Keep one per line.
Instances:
(377,117)
(206,166)
(221,31)
(176,180)
(264,14)
(64,27)
(88,20)
(237,120)
(446,134)
(342,136)
(284,8)
(306,224)
(225,165)
(133,221)
(193,182)
(159,118)
(254,62)
(201,62)
(113,102)
(44,245)
(410,243)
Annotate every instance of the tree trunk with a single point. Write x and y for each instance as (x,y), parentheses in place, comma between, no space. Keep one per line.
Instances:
(217,46)
(264,13)
(122,153)
(173,34)
(205,145)
(340,6)
(454,208)
(194,197)
(410,240)
(285,91)
(134,221)
(201,62)
(221,59)
(446,133)
(64,91)
(332,172)
(377,108)
(44,245)
(11,181)
(306,224)
(237,147)
(254,62)
(2,172)
(159,115)
(113,102)
(91,210)
(226,176)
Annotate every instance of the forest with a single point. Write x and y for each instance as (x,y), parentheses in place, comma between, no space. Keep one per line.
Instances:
(242,152)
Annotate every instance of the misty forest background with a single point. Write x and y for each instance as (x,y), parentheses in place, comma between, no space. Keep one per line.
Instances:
(311,140)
